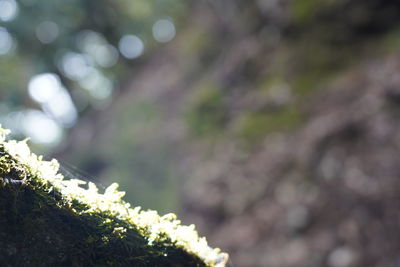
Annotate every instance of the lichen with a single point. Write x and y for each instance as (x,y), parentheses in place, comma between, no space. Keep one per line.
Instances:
(113,220)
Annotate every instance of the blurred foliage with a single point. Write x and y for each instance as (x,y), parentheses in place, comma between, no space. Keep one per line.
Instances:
(207,112)
(78,41)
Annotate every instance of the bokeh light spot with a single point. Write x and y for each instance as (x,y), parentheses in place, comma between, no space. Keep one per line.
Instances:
(131,46)
(87,40)
(76,66)
(40,128)
(95,45)
(164,30)
(8,10)
(62,109)
(47,32)
(43,87)
(99,86)
(47,90)
(105,55)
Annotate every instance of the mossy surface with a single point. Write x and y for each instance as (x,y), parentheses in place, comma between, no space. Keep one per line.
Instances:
(47,220)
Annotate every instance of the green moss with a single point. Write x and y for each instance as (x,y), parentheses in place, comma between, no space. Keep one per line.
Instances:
(51,221)
(206,115)
(253,127)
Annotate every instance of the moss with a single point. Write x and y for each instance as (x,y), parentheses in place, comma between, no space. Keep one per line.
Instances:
(253,127)
(48,220)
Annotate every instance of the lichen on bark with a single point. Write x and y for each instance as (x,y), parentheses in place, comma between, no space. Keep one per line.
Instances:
(48,220)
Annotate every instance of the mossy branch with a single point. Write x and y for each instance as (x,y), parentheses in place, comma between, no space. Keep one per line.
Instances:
(48,220)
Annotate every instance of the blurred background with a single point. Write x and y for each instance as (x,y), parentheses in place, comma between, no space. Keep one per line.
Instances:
(273,125)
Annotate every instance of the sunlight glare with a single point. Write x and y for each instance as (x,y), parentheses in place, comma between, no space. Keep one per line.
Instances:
(55,100)
(40,128)
(43,87)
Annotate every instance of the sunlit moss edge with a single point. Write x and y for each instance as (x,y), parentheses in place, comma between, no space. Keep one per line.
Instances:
(40,174)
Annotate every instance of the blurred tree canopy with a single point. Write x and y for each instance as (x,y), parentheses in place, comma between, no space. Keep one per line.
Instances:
(61,59)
